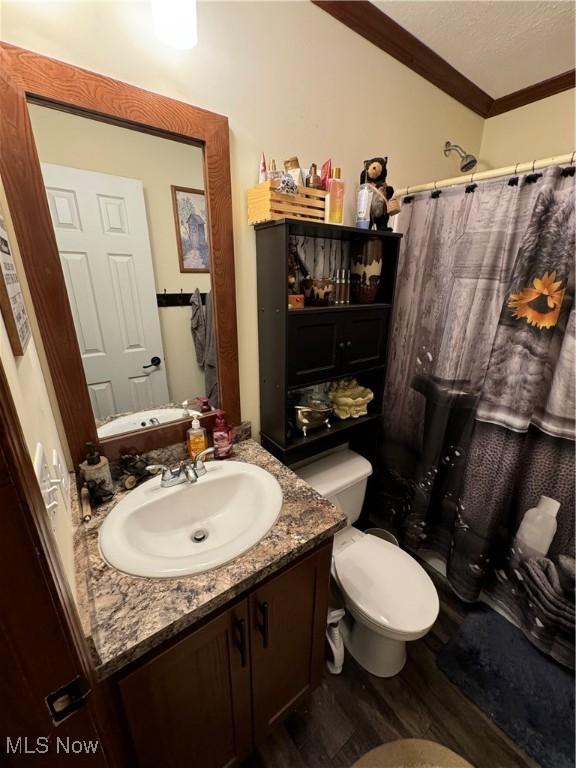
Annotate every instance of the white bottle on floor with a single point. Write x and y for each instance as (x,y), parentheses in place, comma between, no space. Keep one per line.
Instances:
(537,529)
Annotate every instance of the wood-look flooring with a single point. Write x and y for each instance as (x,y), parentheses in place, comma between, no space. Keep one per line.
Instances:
(354,712)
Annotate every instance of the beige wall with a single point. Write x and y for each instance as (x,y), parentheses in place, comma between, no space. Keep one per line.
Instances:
(542,129)
(78,142)
(32,401)
(291,80)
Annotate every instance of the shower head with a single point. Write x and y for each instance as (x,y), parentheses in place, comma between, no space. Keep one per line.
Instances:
(467,161)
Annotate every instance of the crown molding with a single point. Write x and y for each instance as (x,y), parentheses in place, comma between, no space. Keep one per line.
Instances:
(364,18)
(541,90)
(372,24)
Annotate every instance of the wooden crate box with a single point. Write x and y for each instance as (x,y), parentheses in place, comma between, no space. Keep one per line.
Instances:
(265,203)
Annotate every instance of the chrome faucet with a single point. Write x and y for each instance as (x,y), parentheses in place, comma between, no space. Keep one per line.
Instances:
(198,466)
(171,476)
(185,472)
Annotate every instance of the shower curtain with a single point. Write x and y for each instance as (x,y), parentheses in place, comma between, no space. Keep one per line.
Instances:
(479,403)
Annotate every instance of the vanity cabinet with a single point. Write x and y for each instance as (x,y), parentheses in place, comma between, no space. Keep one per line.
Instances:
(287,623)
(190,706)
(209,699)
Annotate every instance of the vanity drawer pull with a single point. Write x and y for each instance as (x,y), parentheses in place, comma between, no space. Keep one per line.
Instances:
(241,627)
(263,608)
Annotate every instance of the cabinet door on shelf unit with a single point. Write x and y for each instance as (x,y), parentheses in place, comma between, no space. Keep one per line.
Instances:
(313,354)
(191,704)
(363,340)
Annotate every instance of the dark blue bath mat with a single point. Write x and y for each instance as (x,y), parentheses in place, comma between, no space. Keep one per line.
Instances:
(527,694)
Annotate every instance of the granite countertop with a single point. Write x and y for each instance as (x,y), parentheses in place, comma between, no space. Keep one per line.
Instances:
(125,616)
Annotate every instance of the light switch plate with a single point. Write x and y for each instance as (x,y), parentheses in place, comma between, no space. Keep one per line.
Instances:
(48,486)
(62,475)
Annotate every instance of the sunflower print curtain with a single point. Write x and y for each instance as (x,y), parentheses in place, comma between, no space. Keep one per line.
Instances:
(479,414)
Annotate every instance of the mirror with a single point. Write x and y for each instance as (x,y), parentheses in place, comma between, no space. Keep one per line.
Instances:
(130,218)
(35,88)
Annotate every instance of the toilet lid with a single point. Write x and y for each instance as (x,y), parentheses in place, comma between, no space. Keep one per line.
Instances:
(387,585)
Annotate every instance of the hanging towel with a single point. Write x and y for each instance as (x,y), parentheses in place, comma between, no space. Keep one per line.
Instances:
(204,336)
(211,356)
(198,327)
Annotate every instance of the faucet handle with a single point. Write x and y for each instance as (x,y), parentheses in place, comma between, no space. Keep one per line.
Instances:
(199,468)
(188,470)
(167,473)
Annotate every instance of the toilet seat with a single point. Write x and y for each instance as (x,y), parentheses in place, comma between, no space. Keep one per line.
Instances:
(387,587)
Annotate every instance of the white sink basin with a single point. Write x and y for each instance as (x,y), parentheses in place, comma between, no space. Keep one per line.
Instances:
(142,419)
(152,531)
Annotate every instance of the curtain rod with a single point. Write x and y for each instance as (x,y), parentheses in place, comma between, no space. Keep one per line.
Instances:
(469,178)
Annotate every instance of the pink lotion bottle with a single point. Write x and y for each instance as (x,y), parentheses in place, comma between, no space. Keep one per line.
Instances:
(222,438)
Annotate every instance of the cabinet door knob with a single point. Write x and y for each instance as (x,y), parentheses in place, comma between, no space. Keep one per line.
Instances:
(241,629)
(264,629)
(341,344)
(348,343)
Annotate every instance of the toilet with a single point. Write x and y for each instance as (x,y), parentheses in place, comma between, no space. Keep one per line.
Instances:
(390,599)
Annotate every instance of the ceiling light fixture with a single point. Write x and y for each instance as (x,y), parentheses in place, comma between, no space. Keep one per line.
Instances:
(175,23)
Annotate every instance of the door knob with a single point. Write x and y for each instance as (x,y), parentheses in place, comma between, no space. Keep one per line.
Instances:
(154,362)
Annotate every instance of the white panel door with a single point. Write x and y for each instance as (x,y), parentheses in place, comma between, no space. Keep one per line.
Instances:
(102,233)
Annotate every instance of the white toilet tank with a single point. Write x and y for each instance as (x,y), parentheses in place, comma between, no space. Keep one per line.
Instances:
(340,477)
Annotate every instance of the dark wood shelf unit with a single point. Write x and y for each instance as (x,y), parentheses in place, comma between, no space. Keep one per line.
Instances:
(333,231)
(359,432)
(303,347)
(364,375)
(338,308)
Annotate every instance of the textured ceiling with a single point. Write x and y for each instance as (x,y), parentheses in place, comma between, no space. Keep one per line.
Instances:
(501,45)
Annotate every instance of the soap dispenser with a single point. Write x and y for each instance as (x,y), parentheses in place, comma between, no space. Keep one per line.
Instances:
(196,439)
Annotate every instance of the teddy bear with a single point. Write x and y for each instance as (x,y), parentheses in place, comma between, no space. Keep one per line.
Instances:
(374,173)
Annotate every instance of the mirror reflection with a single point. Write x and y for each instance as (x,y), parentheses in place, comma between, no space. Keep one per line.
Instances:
(130,219)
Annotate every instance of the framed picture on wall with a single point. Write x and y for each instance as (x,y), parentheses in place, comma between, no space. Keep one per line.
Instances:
(191,221)
(11,298)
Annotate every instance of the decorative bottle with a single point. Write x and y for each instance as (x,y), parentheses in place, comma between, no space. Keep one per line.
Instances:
(222,438)
(96,467)
(336,198)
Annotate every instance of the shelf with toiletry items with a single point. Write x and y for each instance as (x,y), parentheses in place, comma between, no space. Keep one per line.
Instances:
(315,340)
(323,229)
(341,308)
(327,271)
(360,433)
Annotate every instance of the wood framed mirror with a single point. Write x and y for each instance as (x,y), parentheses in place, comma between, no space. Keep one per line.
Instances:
(63,90)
